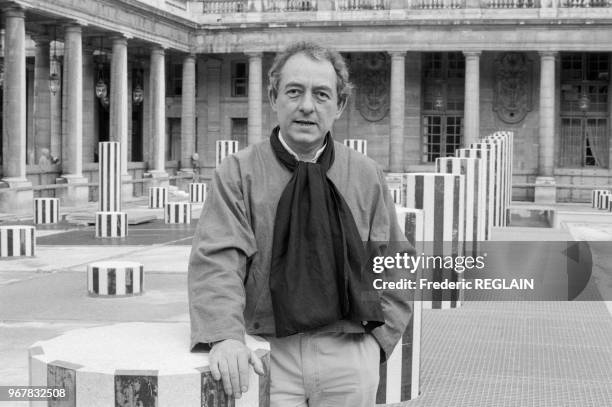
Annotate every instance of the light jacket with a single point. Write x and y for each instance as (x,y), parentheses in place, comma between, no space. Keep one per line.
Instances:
(229,264)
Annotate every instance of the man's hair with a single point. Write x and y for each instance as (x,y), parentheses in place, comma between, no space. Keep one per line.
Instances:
(318,53)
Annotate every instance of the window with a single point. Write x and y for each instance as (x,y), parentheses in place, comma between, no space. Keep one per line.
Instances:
(174,87)
(584,135)
(443,100)
(240,79)
(240,131)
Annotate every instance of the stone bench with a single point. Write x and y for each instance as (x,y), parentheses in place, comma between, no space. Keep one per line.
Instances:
(138,364)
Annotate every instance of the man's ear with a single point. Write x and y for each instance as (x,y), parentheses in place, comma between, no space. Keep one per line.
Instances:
(272,98)
(341,106)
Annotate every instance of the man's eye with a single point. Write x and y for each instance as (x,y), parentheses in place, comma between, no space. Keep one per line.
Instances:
(322,95)
(293,92)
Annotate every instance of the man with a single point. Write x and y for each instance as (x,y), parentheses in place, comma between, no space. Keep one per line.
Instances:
(279,250)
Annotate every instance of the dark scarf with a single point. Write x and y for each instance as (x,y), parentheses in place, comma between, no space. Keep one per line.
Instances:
(318,272)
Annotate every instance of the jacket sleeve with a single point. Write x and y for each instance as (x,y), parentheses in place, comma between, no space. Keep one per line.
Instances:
(222,244)
(396,303)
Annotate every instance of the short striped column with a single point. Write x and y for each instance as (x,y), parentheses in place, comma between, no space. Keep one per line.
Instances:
(17,241)
(400,374)
(158,197)
(487,154)
(225,148)
(115,278)
(595,196)
(46,210)
(396,194)
(395,181)
(177,212)
(138,364)
(197,192)
(357,144)
(440,196)
(109,176)
(111,224)
(473,206)
(509,138)
(498,204)
(604,201)
(503,156)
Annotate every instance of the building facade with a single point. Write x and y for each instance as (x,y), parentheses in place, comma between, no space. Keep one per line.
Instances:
(167,78)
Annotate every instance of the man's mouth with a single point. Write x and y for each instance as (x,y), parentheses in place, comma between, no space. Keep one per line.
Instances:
(305,123)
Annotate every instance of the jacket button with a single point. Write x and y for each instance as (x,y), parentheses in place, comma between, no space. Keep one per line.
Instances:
(256,325)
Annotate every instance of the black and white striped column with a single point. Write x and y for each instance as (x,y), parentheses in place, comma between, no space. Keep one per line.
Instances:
(498,204)
(357,144)
(177,212)
(604,201)
(158,197)
(400,374)
(396,184)
(396,194)
(109,176)
(502,143)
(508,136)
(46,210)
(486,154)
(473,206)
(111,224)
(595,196)
(17,241)
(440,196)
(225,148)
(115,278)
(197,192)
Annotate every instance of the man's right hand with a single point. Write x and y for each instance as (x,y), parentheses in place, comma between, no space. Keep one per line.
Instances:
(229,361)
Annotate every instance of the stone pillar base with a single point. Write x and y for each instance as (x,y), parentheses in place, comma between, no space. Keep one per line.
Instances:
(17,202)
(545,190)
(183,183)
(155,176)
(76,194)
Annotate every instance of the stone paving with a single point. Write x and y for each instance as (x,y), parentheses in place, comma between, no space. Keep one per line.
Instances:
(486,353)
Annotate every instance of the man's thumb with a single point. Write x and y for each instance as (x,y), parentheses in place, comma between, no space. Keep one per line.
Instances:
(256,363)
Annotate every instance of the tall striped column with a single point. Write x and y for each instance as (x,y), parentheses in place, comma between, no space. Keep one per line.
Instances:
(225,148)
(46,210)
(109,176)
(502,190)
(488,153)
(356,144)
(509,136)
(400,374)
(473,209)
(497,186)
(17,241)
(483,224)
(440,196)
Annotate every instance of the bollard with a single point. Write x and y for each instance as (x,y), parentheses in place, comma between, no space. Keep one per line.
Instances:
(595,196)
(115,278)
(158,197)
(357,144)
(46,210)
(17,241)
(177,212)
(138,364)
(111,224)
(486,153)
(197,192)
(225,148)
(109,176)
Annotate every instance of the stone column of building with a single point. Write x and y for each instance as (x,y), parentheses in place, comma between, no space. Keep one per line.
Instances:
(471,128)
(90,128)
(42,97)
(72,120)
(545,191)
(157,91)
(255,98)
(188,101)
(118,115)
(396,139)
(213,119)
(14,115)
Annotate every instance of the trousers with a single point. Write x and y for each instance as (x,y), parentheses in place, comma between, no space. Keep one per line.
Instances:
(324,370)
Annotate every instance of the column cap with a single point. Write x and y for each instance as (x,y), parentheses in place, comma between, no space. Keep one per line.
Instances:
(14,11)
(254,54)
(548,54)
(158,49)
(472,54)
(73,27)
(397,54)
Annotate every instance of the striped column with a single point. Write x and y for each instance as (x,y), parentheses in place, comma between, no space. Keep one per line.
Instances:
(197,192)
(17,241)
(111,224)
(357,144)
(509,136)
(440,196)
(473,206)
(604,201)
(177,212)
(138,364)
(595,196)
(396,194)
(109,176)
(497,187)
(225,148)
(115,278)
(483,224)
(487,153)
(395,181)
(501,168)
(46,210)
(158,197)
(400,374)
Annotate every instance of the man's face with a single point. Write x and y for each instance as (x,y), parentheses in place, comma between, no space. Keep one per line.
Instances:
(307,102)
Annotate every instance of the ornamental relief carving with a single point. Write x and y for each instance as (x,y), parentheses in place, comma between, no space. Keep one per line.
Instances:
(512,92)
(373,83)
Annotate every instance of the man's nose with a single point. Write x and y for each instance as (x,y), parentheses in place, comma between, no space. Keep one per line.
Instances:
(307,103)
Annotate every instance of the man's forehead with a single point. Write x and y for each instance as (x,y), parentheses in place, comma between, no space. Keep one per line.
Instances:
(303,68)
